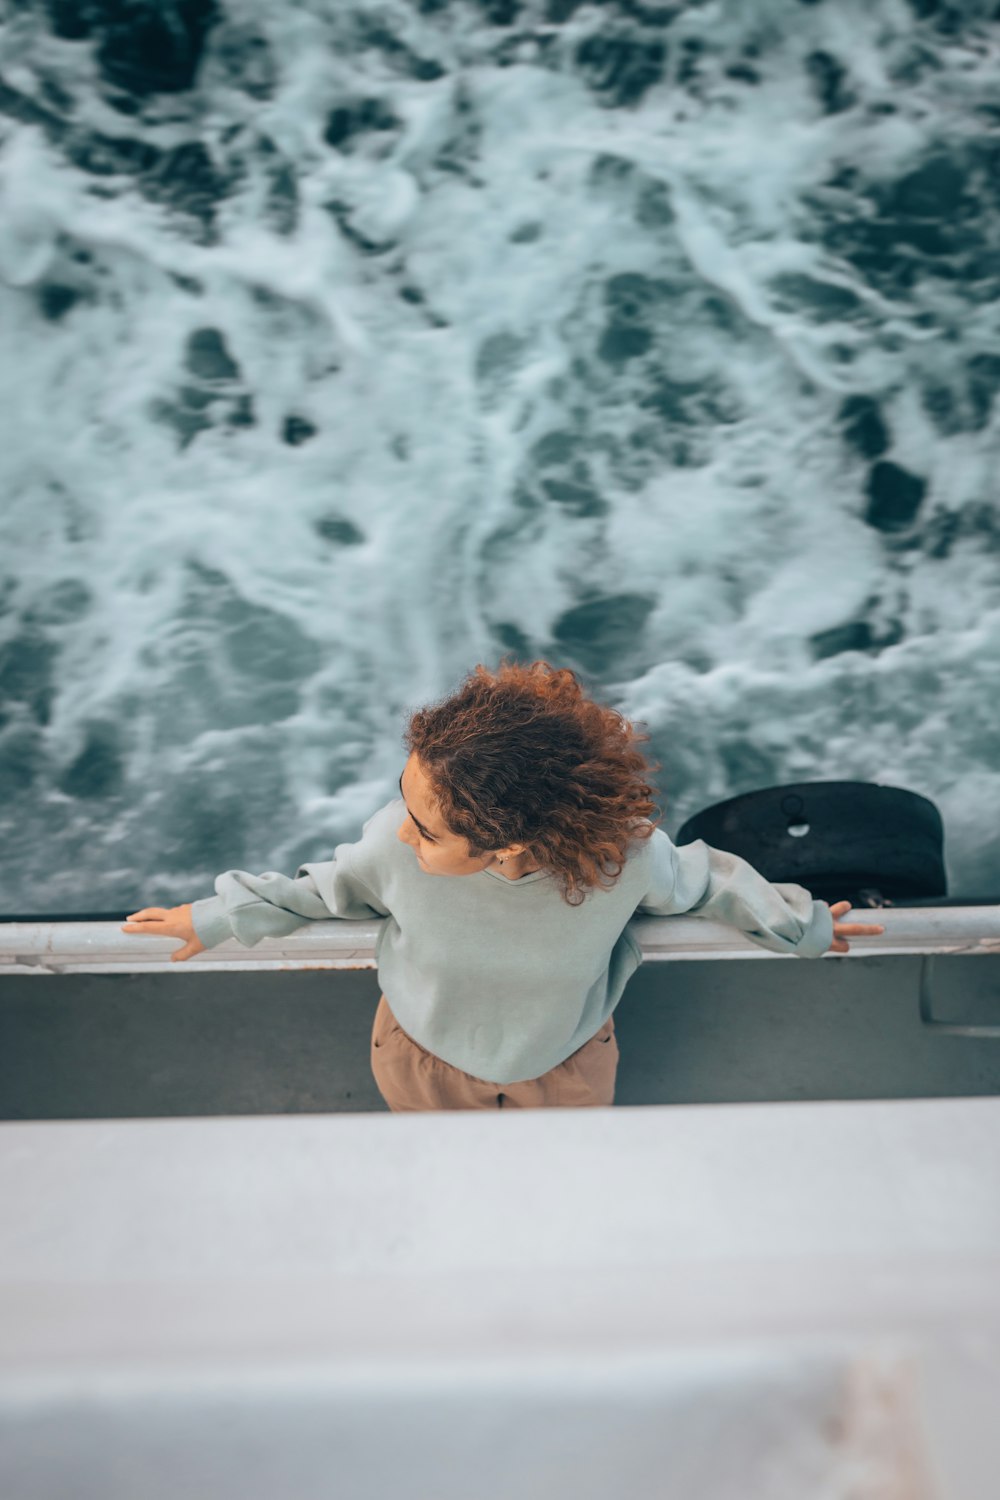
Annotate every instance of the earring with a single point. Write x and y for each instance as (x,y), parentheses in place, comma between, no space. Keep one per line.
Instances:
(500,859)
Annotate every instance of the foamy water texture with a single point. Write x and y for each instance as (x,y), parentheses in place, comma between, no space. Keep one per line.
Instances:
(365,341)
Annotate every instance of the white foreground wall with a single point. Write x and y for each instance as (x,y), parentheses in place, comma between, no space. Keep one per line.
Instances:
(791,1302)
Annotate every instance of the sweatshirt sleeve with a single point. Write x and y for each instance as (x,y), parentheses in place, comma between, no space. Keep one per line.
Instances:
(250,907)
(699,879)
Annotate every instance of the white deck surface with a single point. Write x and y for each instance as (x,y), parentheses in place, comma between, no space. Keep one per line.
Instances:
(727,1301)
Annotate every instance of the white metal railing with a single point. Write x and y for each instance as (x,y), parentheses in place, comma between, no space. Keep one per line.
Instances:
(102,948)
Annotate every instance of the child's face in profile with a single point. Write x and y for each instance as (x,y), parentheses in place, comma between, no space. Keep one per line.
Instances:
(438,850)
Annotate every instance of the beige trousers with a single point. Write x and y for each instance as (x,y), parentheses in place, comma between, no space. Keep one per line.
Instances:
(411,1078)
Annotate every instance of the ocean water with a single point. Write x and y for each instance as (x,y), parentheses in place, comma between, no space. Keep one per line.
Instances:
(348,344)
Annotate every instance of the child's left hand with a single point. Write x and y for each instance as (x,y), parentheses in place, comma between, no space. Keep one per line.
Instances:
(844,930)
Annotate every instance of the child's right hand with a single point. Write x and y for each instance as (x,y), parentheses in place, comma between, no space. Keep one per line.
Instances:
(162,921)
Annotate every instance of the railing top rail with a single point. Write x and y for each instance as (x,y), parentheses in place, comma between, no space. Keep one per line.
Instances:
(101,947)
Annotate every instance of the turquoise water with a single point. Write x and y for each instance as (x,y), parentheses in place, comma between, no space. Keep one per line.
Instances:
(367,341)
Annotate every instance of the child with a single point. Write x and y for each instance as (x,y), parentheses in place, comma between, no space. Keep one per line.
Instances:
(508,869)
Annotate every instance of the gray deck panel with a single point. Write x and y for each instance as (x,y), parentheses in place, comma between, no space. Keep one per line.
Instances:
(146,1045)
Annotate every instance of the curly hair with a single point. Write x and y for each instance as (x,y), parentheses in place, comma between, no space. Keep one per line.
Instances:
(520,755)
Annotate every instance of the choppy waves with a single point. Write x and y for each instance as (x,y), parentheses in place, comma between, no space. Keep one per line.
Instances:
(349,344)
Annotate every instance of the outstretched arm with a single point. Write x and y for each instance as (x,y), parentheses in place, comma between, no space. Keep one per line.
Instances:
(784,918)
(250,907)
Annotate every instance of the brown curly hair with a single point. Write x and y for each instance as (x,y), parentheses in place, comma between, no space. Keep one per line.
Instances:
(520,755)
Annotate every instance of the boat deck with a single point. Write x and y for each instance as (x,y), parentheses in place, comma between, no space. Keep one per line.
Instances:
(94,1024)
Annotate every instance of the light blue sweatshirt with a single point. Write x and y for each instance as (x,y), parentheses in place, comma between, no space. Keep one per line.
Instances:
(503,978)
